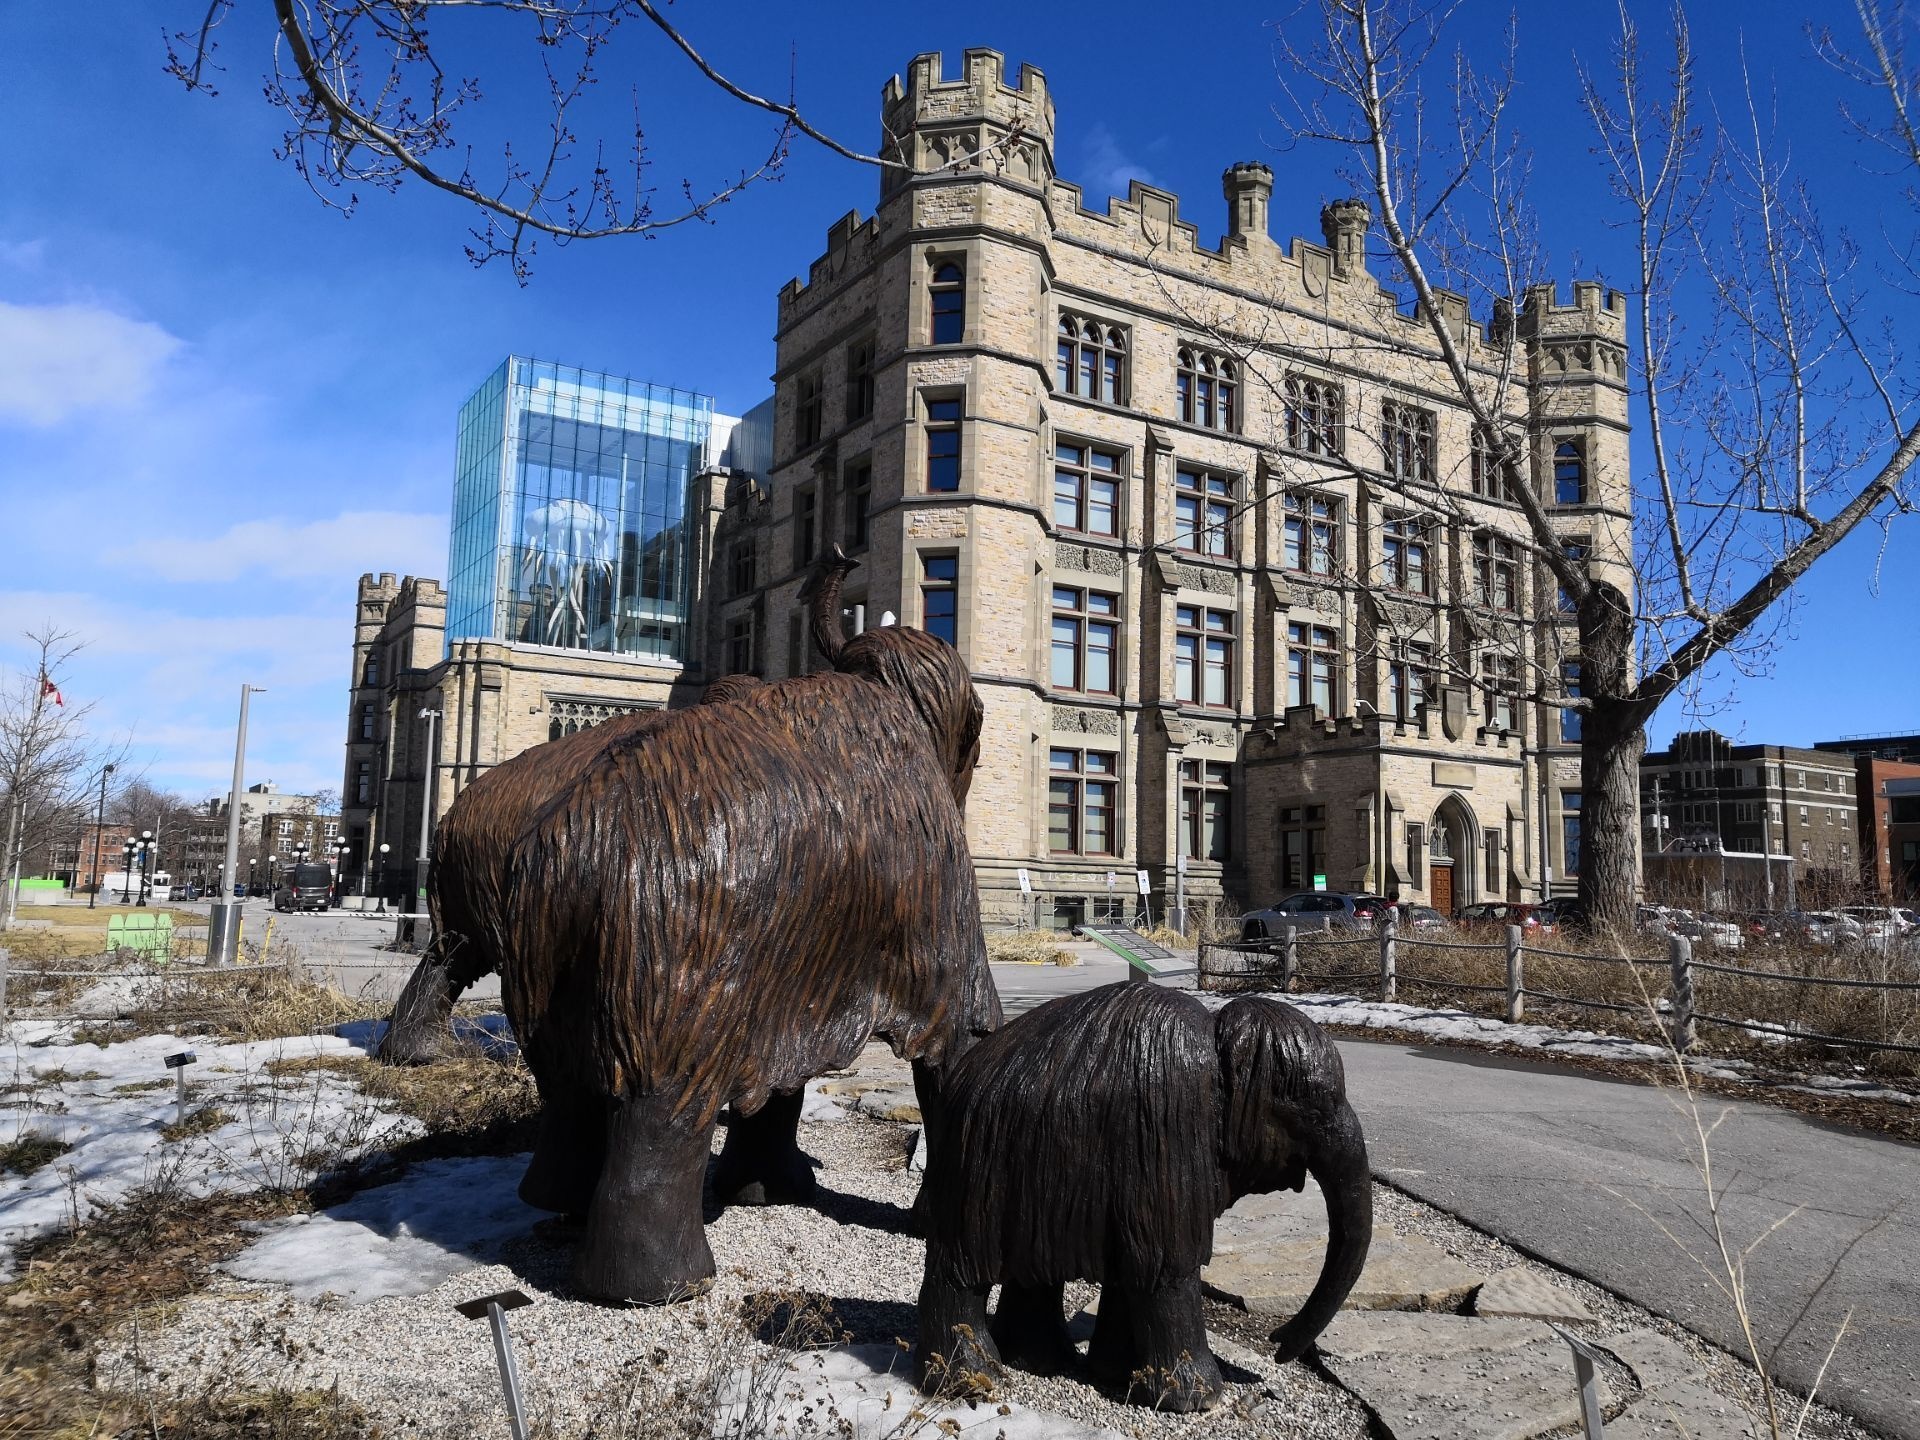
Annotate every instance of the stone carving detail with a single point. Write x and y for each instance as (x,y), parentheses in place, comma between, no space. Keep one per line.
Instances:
(1211,734)
(1068,556)
(1199,577)
(1085,722)
(568,715)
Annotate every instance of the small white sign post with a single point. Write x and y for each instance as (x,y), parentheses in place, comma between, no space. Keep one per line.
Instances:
(178,1064)
(1026,897)
(494,1308)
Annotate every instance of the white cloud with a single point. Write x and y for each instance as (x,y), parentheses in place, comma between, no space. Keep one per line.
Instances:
(348,544)
(58,361)
(1105,168)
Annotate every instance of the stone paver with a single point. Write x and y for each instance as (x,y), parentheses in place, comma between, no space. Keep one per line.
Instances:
(1454,1377)
(1526,1294)
(886,1100)
(1686,1409)
(1268,1251)
(1657,1362)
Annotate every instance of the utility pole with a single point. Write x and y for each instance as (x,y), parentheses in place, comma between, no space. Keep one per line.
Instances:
(428,771)
(99,824)
(223,921)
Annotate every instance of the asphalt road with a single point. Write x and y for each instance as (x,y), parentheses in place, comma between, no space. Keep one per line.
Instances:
(1584,1173)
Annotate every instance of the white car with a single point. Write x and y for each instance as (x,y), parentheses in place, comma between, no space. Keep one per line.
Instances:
(1705,929)
(1878,922)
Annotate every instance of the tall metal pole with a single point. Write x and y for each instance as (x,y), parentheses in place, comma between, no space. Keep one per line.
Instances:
(99,824)
(429,769)
(223,922)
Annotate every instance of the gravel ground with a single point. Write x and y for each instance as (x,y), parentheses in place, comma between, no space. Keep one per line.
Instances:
(422,1370)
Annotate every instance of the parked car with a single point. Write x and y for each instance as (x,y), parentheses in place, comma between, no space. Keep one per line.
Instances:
(1309,910)
(1423,919)
(1498,914)
(1878,923)
(304,887)
(1706,930)
(1564,913)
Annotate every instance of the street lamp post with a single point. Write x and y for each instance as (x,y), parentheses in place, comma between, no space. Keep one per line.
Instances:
(339,849)
(99,824)
(127,849)
(251,882)
(223,921)
(428,771)
(380,880)
(146,865)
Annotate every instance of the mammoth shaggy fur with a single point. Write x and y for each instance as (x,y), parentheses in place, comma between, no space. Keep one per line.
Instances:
(1097,1138)
(701,908)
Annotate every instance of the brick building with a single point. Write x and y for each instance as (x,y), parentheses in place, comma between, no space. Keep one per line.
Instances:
(1233,578)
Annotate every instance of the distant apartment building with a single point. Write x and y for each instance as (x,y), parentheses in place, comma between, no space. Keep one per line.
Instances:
(1705,794)
(1886,745)
(1887,780)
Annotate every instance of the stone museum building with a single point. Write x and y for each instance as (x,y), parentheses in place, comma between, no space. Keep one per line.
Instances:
(1242,597)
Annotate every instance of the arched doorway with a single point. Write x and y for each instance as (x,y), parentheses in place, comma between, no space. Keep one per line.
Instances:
(1450,852)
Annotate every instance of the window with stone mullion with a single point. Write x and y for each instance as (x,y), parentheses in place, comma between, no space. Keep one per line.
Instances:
(1090,359)
(1206,389)
(1310,540)
(1313,665)
(1404,553)
(1315,411)
(1408,445)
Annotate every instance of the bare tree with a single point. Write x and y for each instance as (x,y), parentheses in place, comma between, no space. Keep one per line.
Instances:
(1776,416)
(46,754)
(370,106)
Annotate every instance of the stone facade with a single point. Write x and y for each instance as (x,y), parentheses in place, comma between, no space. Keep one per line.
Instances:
(976,269)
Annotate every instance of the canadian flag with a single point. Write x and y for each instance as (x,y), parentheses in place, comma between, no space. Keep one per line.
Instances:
(47,687)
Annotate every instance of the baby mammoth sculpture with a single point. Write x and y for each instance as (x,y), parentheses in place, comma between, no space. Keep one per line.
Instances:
(1098,1137)
(700,908)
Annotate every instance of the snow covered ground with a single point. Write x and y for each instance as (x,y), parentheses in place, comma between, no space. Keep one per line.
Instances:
(249,1128)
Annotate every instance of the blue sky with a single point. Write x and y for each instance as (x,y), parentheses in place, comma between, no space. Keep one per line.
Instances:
(220,403)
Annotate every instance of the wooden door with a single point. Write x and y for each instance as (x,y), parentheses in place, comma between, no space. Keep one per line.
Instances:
(1440,888)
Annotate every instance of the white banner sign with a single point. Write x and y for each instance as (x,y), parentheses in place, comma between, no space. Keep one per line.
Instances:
(1026,883)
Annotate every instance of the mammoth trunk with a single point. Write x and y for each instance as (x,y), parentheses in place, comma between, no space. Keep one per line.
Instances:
(821,594)
(1338,1164)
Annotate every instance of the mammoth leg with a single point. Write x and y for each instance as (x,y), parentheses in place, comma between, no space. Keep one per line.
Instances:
(644,1243)
(569,1153)
(1111,1354)
(421,1024)
(1030,1331)
(762,1162)
(954,1343)
(1174,1370)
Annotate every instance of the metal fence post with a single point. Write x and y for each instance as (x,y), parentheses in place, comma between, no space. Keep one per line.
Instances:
(1387,958)
(1680,957)
(1289,957)
(1516,980)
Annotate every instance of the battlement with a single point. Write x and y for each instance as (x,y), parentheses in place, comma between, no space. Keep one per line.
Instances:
(1594,308)
(1303,729)
(980,88)
(385,586)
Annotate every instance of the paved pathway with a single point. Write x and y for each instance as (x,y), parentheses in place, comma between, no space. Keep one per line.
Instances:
(1582,1172)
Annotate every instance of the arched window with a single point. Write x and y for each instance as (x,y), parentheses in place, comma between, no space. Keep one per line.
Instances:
(1090,359)
(1569,474)
(1207,388)
(949,289)
(370,673)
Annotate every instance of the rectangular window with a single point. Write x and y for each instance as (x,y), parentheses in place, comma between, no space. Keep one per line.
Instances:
(1409,678)
(740,567)
(366,722)
(859,488)
(1313,660)
(1404,551)
(1090,359)
(363,783)
(806,509)
(860,379)
(1203,656)
(1406,443)
(1206,808)
(1086,488)
(1494,883)
(1570,473)
(943,444)
(1309,544)
(1500,680)
(740,645)
(940,596)
(1086,640)
(949,295)
(1575,551)
(1083,797)
(1203,512)
(1496,572)
(1206,389)
(1315,416)
(1570,715)
(1303,845)
(1570,831)
(807,412)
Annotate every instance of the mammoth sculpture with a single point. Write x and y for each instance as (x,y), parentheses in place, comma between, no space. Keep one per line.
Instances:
(703,908)
(1098,1137)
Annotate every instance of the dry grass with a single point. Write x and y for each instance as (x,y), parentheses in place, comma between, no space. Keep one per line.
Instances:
(1026,947)
(78,917)
(205,1120)
(30,1152)
(257,1002)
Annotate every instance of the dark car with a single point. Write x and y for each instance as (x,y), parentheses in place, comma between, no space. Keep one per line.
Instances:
(304,887)
(1313,910)
(1422,918)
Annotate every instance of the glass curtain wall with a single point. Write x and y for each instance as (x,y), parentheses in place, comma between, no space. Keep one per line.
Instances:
(570,508)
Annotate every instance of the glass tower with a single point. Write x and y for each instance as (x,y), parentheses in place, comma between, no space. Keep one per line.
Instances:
(569,511)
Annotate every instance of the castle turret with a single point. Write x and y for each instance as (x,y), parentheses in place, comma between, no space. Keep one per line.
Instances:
(1344,223)
(1249,190)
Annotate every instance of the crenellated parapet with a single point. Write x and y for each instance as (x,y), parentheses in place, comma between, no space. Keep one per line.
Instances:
(1304,731)
(1586,338)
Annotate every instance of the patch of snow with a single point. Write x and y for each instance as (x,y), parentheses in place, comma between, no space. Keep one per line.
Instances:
(490,1033)
(279,1126)
(816,1107)
(443,1217)
(859,1391)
